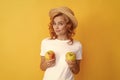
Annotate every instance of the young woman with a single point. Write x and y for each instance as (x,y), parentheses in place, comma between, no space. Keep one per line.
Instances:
(62,26)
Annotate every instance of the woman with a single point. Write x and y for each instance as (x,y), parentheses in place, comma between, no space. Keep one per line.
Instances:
(62,26)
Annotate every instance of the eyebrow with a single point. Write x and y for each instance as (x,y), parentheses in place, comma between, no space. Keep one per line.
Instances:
(59,21)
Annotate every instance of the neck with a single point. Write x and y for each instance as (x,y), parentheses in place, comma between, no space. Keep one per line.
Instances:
(62,38)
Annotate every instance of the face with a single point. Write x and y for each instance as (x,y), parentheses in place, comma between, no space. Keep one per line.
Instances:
(59,25)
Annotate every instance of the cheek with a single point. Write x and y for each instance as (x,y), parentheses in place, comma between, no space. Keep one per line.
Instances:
(63,27)
(54,27)
(64,30)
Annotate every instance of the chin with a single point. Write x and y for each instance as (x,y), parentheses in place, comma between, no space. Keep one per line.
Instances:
(57,34)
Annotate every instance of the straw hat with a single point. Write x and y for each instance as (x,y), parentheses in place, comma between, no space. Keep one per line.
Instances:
(65,10)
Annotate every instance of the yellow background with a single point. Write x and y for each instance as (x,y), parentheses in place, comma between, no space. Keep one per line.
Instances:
(24,23)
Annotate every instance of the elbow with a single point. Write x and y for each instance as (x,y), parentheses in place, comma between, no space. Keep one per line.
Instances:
(76,72)
(42,69)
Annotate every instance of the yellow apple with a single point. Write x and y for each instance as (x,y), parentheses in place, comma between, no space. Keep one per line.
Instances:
(70,56)
(49,55)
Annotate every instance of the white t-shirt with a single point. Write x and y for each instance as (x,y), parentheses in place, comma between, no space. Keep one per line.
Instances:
(61,70)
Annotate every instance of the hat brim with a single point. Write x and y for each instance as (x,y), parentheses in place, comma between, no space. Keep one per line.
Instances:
(65,11)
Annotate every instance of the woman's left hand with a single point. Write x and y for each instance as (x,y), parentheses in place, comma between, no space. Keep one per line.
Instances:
(71,64)
(74,66)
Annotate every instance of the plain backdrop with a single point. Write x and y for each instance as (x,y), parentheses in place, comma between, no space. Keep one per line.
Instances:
(24,23)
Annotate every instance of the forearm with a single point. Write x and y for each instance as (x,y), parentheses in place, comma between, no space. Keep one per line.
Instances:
(75,69)
(75,66)
(43,66)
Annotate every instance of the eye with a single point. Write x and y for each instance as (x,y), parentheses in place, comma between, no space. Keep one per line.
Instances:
(61,23)
(53,23)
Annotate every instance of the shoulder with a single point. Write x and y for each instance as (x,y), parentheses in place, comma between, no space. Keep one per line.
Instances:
(45,40)
(78,43)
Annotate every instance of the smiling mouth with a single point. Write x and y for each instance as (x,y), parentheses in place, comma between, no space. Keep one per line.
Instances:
(57,31)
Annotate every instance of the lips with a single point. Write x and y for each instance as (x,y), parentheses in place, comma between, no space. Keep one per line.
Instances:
(57,30)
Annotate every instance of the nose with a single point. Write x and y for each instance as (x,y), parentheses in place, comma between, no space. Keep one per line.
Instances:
(56,26)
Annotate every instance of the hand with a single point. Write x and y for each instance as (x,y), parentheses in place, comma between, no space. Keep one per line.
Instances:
(71,64)
(50,63)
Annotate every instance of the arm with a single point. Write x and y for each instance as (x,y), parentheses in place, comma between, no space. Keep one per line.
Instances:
(74,66)
(46,63)
(43,64)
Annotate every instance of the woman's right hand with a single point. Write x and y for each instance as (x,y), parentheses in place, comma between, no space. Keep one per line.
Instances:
(50,63)
(44,64)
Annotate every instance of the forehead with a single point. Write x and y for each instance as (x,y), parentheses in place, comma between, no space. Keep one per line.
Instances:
(59,18)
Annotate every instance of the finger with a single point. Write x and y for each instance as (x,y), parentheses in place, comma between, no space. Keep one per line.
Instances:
(69,62)
(52,60)
(53,64)
(48,64)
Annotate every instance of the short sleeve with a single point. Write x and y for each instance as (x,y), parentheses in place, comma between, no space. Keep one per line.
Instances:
(42,48)
(79,52)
